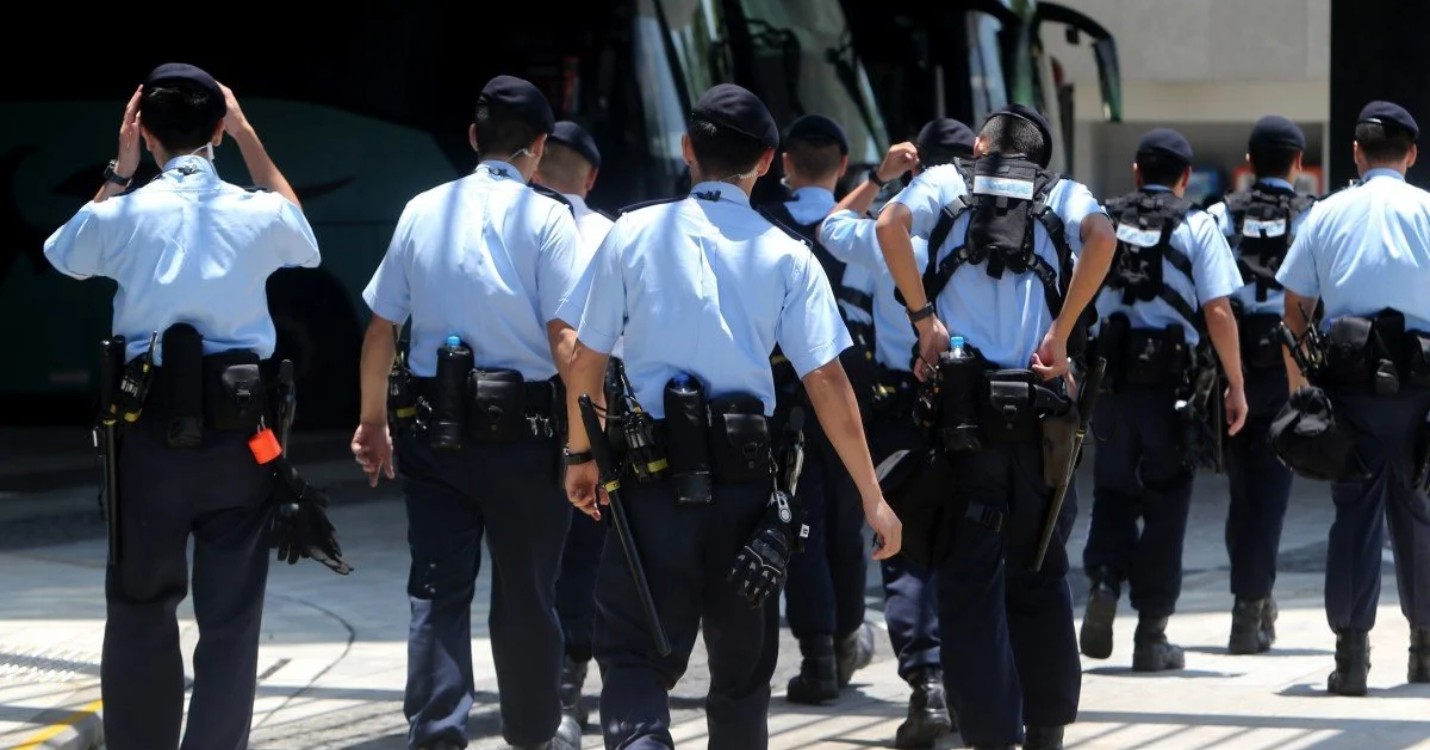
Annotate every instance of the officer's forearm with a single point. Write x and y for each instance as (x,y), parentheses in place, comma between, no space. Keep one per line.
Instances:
(1221,326)
(1098,243)
(833,400)
(261,168)
(379,348)
(895,242)
(562,339)
(859,199)
(585,375)
(1295,318)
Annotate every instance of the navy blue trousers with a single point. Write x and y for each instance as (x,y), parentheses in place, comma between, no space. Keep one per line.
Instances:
(825,591)
(1390,431)
(1260,489)
(687,553)
(1010,655)
(576,588)
(1140,474)
(511,494)
(217,494)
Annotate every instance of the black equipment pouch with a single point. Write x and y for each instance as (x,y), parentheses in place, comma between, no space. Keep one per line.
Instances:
(1009,414)
(1310,440)
(963,388)
(134,382)
(1261,341)
(449,397)
(687,436)
(1112,344)
(185,377)
(1362,352)
(235,399)
(740,445)
(1417,359)
(1000,225)
(1155,356)
(496,412)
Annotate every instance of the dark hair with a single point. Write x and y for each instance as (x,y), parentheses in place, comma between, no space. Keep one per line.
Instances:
(502,132)
(1009,135)
(933,157)
(814,158)
(1273,161)
(1382,144)
(1158,168)
(722,152)
(179,115)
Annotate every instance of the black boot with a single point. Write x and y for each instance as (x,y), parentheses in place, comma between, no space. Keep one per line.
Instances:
(573,679)
(1150,650)
(1352,663)
(854,652)
(1247,635)
(817,681)
(1043,738)
(1095,638)
(929,717)
(1420,655)
(1268,620)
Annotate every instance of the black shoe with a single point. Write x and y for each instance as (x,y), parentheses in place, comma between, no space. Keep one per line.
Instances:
(1420,655)
(1043,738)
(441,746)
(994,747)
(817,681)
(573,680)
(1150,650)
(1352,663)
(853,652)
(1095,637)
(929,718)
(1247,633)
(1268,620)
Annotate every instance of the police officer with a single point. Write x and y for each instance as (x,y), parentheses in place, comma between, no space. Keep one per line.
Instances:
(186,248)
(569,166)
(1171,261)
(1260,224)
(1363,251)
(703,288)
(825,593)
(910,595)
(480,265)
(1007,638)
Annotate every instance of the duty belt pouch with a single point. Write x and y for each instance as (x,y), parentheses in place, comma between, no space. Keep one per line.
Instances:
(963,386)
(496,412)
(183,350)
(1261,341)
(1154,356)
(740,447)
(1358,355)
(234,397)
(1417,358)
(1009,415)
(1112,344)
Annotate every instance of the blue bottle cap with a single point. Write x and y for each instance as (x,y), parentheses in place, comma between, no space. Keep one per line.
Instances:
(454,341)
(956,342)
(681,380)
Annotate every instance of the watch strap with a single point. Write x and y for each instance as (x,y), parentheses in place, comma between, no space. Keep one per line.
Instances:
(926,311)
(110,175)
(581,457)
(874,177)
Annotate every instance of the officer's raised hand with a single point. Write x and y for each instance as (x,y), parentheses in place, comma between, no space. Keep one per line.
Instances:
(372,447)
(901,158)
(129,152)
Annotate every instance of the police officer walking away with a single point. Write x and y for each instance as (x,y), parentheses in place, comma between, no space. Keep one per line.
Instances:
(1172,260)
(703,288)
(1363,252)
(910,593)
(569,166)
(480,265)
(1260,224)
(825,593)
(190,253)
(1009,657)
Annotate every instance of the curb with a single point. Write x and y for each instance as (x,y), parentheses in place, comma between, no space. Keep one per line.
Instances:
(82,730)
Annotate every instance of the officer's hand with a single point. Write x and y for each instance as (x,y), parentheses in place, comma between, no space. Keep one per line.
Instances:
(581,489)
(933,341)
(901,158)
(1236,409)
(234,121)
(888,529)
(1051,359)
(372,447)
(128,158)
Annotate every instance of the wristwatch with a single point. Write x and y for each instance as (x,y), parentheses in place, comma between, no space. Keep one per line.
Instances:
(926,311)
(874,177)
(574,459)
(112,176)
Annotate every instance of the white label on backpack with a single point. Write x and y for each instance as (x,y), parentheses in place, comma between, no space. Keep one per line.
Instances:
(1257,228)
(1003,186)
(1138,236)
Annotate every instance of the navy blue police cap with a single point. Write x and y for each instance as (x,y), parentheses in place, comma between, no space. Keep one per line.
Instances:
(734,107)
(188,74)
(1166,142)
(1391,115)
(1276,132)
(1030,115)
(818,128)
(946,134)
(576,138)
(521,99)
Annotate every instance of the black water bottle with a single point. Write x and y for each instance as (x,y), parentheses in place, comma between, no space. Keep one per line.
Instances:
(449,397)
(688,438)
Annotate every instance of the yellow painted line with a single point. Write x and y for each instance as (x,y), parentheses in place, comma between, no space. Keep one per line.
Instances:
(54,730)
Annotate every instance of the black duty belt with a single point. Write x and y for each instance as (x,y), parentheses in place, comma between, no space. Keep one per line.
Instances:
(539,396)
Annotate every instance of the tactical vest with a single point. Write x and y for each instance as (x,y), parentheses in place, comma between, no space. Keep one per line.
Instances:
(1145,222)
(779,214)
(1263,218)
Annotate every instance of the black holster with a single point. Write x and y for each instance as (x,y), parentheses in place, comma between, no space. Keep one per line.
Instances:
(740,443)
(186,378)
(687,434)
(1010,413)
(1261,341)
(497,411)
(235,397)
(1363,354)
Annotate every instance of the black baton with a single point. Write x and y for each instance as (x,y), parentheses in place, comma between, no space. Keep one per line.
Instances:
(1086,400)
(106,436)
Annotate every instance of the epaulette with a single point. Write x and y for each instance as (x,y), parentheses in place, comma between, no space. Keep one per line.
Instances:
(649,203)
(783,227)
(553,195)
(256,189)
(602,212)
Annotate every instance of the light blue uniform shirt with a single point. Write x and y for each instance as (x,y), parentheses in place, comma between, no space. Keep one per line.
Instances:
(707,286)
(1364,249)
(1214,275)
(1275,302)
(188,248)
(484,258)
(810,206)
(851,238)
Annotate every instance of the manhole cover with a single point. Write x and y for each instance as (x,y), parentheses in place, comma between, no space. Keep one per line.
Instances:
(19,666)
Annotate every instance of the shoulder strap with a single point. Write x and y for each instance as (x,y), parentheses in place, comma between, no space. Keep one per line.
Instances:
(649,203)
(553,195)
(774,219)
